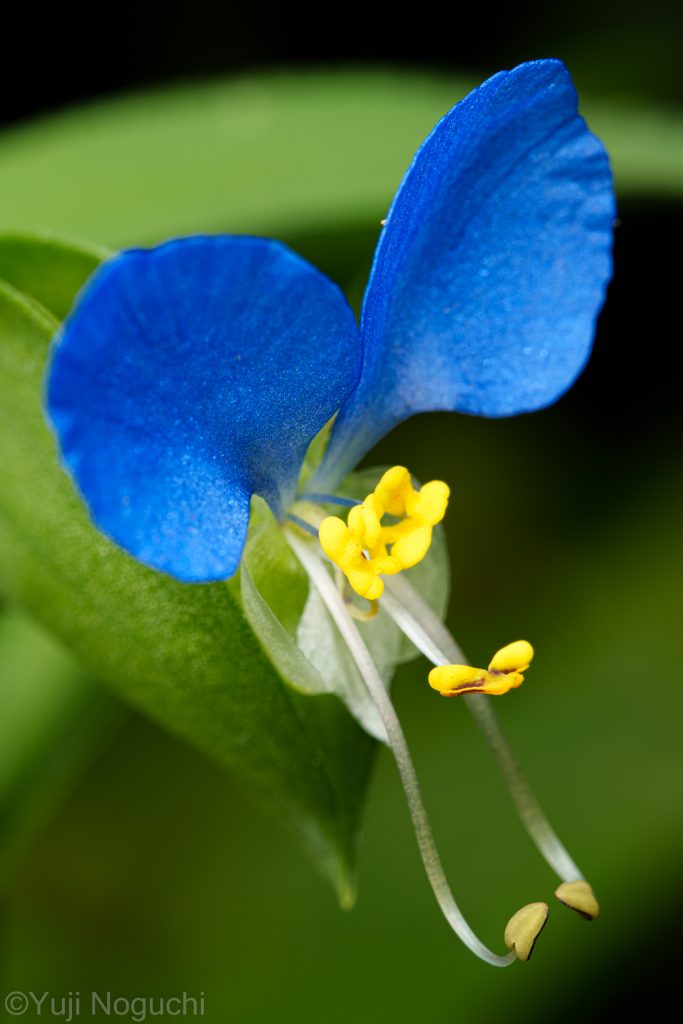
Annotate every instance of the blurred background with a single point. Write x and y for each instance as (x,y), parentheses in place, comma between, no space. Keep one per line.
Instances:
(131,864)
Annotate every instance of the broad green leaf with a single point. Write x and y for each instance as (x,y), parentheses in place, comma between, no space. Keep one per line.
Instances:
(53,721)
(49,269)
(186,655)
(278,154)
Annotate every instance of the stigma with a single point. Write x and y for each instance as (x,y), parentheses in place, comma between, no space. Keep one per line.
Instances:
(505,672)
(365,548)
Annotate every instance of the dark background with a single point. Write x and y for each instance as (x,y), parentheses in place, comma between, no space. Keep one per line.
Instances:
(55,56)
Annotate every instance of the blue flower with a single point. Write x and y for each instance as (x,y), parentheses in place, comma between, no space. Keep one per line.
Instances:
(191,376)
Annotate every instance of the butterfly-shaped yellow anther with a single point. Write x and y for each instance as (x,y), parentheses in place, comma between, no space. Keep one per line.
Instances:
(505,672)
(365,549)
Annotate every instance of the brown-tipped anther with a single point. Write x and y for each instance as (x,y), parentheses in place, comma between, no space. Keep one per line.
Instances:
(580,897)
(524,927)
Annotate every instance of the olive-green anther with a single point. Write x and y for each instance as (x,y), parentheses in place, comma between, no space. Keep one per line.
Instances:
(580,897)
(524,927)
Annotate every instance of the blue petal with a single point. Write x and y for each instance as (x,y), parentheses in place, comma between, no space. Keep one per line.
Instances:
(492,266)
(190,377)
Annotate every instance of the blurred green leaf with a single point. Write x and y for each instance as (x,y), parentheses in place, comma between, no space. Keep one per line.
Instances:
(53,722)
(645,144)
(272,154)
(47,268)
(184,654)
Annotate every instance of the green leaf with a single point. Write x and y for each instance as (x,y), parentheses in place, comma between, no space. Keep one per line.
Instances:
(49,269)
(645,144)
(186,655)
(53,721)
(278,154)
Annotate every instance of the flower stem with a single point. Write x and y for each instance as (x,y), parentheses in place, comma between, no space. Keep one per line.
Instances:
(332,599)
(416,619)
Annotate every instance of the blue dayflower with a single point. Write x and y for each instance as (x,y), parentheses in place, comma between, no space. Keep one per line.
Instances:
(193,375)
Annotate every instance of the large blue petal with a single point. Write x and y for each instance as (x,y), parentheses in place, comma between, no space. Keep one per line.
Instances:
(190,377)
(492,266)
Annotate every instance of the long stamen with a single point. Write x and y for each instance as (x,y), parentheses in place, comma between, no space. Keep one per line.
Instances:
(416,619)
(334,602)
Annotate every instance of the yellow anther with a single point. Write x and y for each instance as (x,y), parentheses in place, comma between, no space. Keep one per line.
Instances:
(524,927)
(364,549)
(580,897)
(452,679)
(355,523)
(410,542)
(371,512)
(393,489)
(429,503)
(341,545)
(505,672)
(516,657)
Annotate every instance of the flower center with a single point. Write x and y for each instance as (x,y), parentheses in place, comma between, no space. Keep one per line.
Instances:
(365,549)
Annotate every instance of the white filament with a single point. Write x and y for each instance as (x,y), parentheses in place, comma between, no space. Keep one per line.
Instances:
(322,581)
(415,618)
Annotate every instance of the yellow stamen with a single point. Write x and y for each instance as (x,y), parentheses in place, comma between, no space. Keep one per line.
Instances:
(341,545)
(515,657)
(505,672)
(365,550)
